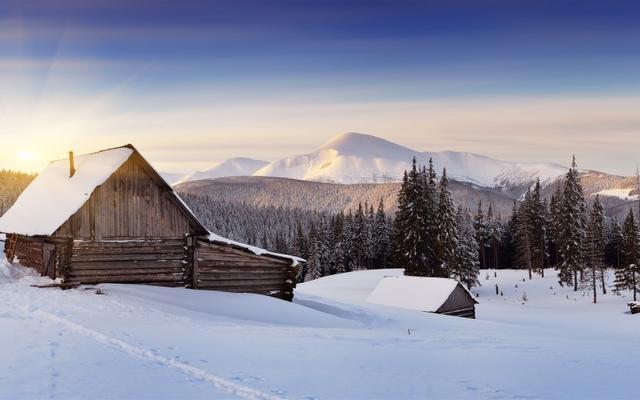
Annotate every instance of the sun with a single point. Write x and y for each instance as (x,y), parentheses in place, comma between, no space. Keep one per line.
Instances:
(25,155)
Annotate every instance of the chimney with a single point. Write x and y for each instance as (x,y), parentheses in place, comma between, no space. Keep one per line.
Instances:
(72,167)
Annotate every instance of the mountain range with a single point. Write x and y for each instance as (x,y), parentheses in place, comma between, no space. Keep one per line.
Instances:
(355,167)
(360,158)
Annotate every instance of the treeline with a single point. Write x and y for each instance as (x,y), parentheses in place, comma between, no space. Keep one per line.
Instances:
(574,238)
(331,243)
(12,183)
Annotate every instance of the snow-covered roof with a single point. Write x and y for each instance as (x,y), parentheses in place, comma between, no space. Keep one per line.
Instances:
(53,196)
(414,292)
(253,249)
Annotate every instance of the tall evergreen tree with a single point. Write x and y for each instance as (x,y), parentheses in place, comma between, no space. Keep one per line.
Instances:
(467,263)
(627,275)
(614,243)
(429,229)
(536,225)
(555,224)
(522,235)
(573,229)
(480,226)
(494,234)
(380,237)
(595,249)
(447,236)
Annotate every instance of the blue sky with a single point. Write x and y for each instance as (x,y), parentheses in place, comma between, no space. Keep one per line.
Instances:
(191,83)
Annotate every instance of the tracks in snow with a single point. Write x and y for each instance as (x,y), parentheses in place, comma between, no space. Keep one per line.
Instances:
(194,372)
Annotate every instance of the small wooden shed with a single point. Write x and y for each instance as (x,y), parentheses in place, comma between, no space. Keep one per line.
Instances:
(109,217)
(437,295)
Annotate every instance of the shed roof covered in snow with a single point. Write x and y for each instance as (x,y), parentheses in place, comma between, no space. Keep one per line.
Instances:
(422,294)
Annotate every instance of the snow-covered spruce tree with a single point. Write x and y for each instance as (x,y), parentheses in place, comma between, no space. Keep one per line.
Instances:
(627,275)
(573,229)
(349,242)
(480,225)
(537,225)
(359,227)
(447,236)
(338,255)
(522,235)
(494,234)
(403,252)
(429,229)
(555,225)
(614,243)
(467,263)
(408,228)
(595,250)
(380,237)
(314,262)
(370,240)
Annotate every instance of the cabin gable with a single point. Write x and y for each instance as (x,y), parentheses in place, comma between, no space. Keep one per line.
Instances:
(131,203)
(459,303)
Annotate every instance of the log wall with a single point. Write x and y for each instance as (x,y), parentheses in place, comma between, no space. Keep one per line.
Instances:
(29,252)
(158,262)
(224,268)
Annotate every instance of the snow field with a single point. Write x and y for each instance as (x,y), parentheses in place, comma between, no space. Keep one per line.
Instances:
(152,342)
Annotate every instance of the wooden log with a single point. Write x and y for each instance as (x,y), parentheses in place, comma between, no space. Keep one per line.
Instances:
(105,272)
(246,283)
(241,268)
(149,278)
(239,264)
(81,257)
(240,276)
(127,264)
(128,250)
(206,255)
(130,243)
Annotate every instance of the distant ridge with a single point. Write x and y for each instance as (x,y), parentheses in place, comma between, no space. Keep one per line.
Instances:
(238,166)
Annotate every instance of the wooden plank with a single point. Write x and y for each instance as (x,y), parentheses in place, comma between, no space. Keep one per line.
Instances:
(221,252)
(130,243)
(128,278)
(242,269)
(127,257)
(239,265)
(276,283)
(240,276)
(140,271)
(128,250)
(126,264)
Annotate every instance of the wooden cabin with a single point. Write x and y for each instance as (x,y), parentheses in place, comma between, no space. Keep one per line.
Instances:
(436,295)
(109,217)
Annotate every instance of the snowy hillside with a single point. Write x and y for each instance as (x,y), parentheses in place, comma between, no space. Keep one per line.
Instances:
(131,342)
(239,166)
(360,158)
(327,197)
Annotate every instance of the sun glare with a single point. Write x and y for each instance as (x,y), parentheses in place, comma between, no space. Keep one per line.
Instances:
(25,155)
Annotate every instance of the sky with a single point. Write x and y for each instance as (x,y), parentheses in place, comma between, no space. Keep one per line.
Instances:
(191,83)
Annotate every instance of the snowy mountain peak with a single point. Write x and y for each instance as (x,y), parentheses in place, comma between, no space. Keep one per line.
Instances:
(361,144)
(361,158)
